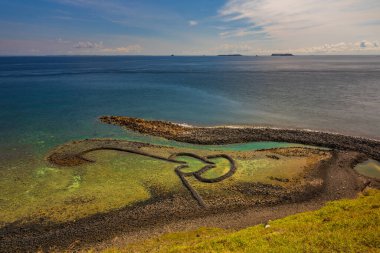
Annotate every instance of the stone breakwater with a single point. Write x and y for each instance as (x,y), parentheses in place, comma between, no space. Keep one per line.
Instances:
(230,135)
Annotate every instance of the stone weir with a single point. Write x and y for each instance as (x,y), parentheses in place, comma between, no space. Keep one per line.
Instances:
(230,135)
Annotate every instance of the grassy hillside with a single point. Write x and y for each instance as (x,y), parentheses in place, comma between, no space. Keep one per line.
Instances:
(340,226)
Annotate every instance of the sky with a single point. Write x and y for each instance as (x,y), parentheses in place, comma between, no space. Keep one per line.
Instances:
(196,27)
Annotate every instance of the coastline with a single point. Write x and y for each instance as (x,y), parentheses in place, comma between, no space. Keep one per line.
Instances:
(161,215)
(218,135)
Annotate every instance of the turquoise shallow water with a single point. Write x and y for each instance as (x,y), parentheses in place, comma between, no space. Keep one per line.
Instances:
(230,147)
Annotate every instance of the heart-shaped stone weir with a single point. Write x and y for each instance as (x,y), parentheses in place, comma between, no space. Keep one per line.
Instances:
(198,174)
(183,170)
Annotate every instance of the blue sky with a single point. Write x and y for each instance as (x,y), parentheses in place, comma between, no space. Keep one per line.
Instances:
(161,27)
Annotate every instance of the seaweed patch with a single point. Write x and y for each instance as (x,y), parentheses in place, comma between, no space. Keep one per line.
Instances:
(178,170)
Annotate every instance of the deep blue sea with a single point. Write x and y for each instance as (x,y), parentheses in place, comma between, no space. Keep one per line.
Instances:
(46,101)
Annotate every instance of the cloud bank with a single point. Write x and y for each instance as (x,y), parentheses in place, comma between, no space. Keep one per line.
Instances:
(87,45)
(100,48)
(190,27)
(123,50)
(287,19)
(359,47)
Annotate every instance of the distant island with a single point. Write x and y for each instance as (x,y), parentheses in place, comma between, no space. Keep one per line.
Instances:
(230,55)
(282,55)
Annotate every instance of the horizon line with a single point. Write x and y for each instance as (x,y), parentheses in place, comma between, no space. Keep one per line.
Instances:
(181,55)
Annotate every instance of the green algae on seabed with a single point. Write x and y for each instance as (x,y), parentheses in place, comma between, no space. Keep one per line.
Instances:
(118,179)
(71,193)
(369,168)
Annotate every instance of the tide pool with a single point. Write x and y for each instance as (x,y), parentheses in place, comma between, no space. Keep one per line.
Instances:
(369,168)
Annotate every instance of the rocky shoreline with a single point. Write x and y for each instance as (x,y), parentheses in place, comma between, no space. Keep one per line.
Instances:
(230,135)
(181,212)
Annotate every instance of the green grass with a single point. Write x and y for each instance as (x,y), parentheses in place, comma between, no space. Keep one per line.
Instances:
(340,226)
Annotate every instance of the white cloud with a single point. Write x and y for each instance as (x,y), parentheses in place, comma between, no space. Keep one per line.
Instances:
(124,50)
(88,45)
(240,32)
(193,23)
(359,47)
(100,48)
(228,48)
(342,47)
(301,19)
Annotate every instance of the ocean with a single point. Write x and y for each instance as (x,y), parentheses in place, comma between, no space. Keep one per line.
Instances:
(46,101)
